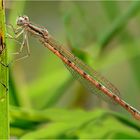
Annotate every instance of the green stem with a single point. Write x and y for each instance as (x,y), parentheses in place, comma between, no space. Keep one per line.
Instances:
(118,24)
(4,120)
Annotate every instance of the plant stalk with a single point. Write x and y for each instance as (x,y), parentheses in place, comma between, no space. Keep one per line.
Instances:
(4,100)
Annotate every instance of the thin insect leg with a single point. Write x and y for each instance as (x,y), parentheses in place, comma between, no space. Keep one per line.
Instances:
(17,35)
(27,42)
(15,38)
(15,30)
(24,44)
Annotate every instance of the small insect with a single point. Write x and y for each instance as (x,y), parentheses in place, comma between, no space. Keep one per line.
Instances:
(91,79)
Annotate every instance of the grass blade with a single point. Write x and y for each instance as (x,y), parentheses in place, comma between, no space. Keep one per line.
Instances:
(4,120)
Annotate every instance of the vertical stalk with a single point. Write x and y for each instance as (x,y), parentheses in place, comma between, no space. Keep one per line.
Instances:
(4,119)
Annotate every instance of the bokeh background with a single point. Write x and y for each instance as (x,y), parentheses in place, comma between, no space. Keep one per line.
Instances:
(105,35)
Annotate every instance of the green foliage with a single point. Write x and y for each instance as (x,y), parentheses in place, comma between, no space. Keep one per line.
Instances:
(73,124)
(43,96)
(119,23)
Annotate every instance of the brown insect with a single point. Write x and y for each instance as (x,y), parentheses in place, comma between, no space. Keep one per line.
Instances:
(91,79)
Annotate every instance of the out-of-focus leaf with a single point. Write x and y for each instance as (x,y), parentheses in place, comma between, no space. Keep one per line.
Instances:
(60,123)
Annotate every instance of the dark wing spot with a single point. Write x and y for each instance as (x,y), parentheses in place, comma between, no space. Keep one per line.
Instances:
(133,110)
(60,53)
(99,85)
(54,48)
(126,105)
(84,74)
(69,61)
(114,96)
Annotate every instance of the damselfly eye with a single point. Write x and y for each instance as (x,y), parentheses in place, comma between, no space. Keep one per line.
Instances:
(20,21)
(26,18)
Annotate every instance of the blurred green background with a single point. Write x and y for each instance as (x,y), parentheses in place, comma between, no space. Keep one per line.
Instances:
(46,102)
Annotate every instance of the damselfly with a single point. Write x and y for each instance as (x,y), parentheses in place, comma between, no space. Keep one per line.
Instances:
(86,75)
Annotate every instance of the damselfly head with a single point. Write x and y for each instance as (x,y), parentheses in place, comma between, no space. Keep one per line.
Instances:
(22,20)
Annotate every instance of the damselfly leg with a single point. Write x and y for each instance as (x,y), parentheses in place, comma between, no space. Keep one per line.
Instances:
(24,44)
